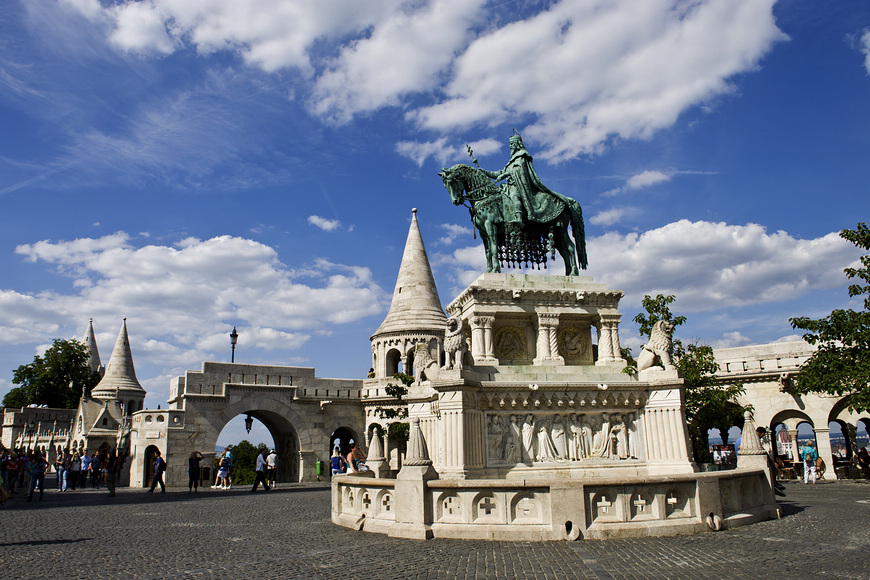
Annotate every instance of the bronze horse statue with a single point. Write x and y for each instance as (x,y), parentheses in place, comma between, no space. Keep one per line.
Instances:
(517,243)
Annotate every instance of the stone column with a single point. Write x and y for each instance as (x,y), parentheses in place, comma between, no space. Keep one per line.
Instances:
(464,443)
(664,432)
(481,339)
(547,349)
(823,447)
(604,344)
(608,340)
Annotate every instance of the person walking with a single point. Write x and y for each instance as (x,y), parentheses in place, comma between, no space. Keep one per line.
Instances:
(271,468)
(810,456)
(193,472)
(159,468)
(261,472)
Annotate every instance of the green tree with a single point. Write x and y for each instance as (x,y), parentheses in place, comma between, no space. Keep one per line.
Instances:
(709,404)
(841,365)
(56,379)
(244,461)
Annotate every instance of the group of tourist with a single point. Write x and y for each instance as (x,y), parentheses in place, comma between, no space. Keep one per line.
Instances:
(352,462)
(25,469)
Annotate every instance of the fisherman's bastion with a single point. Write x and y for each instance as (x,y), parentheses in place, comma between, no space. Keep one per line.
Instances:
(522,424)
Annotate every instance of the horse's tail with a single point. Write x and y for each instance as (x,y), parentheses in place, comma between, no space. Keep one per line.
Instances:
(579,232)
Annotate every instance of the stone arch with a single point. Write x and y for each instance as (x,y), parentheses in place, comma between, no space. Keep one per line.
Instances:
(344,435)
(392,361)
(289,441)
(148,467)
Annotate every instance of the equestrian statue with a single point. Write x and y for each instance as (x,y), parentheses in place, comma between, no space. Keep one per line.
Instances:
(521,220)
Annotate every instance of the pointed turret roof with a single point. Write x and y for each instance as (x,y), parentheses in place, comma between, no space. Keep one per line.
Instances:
(415,302)
(90,341)
(120,375)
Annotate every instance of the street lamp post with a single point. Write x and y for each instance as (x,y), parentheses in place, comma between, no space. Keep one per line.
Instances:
(234,338)
(249,422)
(31,429)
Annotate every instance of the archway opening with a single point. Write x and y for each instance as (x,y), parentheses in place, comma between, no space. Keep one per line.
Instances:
(342,438)
(148,470)
(393,362)
(268,430)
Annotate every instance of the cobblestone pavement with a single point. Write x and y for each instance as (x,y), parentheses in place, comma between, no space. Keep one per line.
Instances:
(286,533)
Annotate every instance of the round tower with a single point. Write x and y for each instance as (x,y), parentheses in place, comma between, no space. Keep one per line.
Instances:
(415,315)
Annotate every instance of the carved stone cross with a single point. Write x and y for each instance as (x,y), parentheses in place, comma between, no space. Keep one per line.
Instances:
(487,505)
(526,506)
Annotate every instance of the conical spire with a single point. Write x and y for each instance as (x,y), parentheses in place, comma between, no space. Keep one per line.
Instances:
(90,341)
(750,444)
(120,375)
(418,452)
(415,302)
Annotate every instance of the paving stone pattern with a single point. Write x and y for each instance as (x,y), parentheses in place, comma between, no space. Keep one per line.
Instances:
(286,533)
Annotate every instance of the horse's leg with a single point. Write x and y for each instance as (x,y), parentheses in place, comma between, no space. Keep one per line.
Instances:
(493,264)
(483,230)
(565,245)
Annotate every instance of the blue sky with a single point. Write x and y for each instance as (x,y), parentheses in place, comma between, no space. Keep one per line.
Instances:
(195,166)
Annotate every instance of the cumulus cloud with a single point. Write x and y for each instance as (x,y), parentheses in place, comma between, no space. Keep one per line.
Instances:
(182,300)
(323,223)
(646,179)
(579,72)
(708,266)
(453,232)
(731,339)
(607,217)
(587,71)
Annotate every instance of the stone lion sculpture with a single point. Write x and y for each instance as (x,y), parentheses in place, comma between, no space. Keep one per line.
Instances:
(455,346)
(659,345)
(427,368)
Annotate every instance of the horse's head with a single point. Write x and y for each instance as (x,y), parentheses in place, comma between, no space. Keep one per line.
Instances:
(454,183)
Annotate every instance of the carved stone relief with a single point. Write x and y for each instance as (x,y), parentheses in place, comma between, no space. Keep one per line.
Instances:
(560,438)
(510,343)
(573,343)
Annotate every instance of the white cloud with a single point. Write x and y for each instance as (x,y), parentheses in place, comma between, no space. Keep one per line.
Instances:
(443,152)
(453,232)
(731,339)
(181,301)
(607,217)
(708,266)
(586,71)
(646,179)
(139,27)
(865,49)
(323,223)
(406,52)
(715,265)
(579,72)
